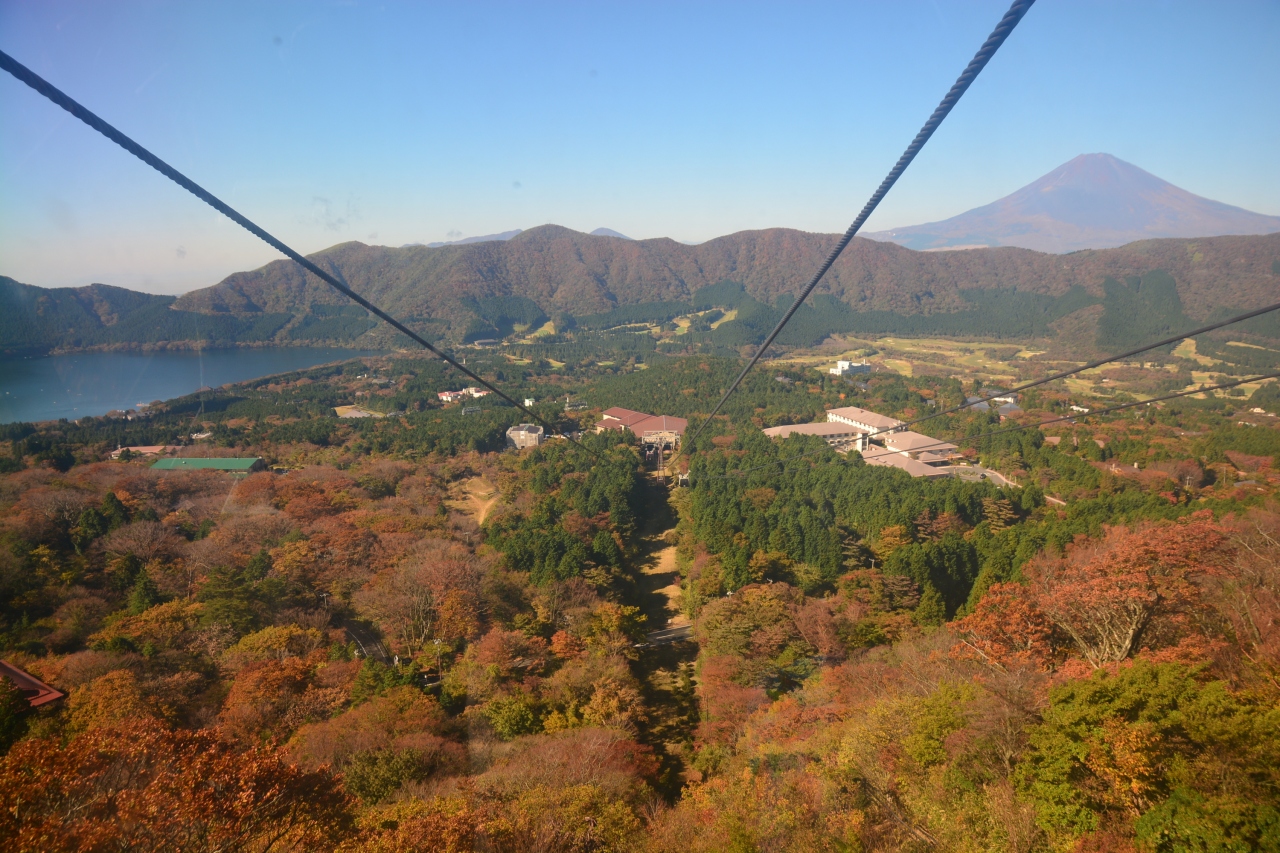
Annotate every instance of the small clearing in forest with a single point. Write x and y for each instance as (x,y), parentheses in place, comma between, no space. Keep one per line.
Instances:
(477,497)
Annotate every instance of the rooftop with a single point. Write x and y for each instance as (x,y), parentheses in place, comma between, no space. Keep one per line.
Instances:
(640,422)
(35,691)
(908,441)
(824,429)
(144,450)
(874,420)
(884,458)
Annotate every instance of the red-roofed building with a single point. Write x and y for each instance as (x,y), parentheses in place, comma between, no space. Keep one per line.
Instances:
(36,691)
(662,430)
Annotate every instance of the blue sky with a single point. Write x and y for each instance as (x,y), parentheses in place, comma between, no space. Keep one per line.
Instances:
(390,123)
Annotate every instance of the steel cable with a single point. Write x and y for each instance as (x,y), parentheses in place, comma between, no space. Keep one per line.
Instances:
(26,75)
(1090,366)
(1019,428)
(975,66)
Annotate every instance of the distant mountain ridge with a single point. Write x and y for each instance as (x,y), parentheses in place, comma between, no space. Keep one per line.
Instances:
(1095,201)
(507,235)
(484,238)
(482,289)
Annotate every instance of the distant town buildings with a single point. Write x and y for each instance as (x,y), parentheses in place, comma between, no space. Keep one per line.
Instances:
(455,396)
(849,368)
(521,436)
(1006,404)
(660,430)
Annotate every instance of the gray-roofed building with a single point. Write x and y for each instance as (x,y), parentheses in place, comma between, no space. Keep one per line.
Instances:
(835,434)
(884,458)
(913,444)
(521,436)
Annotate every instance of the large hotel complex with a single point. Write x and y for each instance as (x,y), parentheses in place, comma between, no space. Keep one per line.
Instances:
(880,439)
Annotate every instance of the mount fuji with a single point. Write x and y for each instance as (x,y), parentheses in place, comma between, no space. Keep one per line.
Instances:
(1095,201)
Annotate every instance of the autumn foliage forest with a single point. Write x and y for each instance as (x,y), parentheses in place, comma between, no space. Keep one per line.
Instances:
(344,654)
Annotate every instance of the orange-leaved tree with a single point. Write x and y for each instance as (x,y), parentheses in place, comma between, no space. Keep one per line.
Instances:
(145,787)
(1133,587)
(431,594)
(1007,630)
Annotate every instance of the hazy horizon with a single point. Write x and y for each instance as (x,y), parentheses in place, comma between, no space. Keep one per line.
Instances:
(394,124)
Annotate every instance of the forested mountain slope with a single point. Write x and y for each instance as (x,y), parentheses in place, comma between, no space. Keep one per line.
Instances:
(486,289)
(37,319)
(564,270)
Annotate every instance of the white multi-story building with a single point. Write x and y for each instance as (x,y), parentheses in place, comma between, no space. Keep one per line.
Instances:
(838,435)
(848,368)
(866,421)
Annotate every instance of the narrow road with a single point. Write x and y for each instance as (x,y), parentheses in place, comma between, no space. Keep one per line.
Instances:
(670,635)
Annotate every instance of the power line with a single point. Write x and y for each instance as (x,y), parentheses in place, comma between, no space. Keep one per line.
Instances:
(26,75)
(941,442)
(979,61)
(1091,365)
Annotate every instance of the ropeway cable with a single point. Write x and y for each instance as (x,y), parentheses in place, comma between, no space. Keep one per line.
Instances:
(26,75)
(942,442)
(979,61)
(1090,366)
(1248,315)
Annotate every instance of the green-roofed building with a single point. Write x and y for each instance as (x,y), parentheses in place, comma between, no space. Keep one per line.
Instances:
(234,466)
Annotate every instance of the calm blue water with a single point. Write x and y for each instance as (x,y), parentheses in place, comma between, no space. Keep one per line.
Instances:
(72,386)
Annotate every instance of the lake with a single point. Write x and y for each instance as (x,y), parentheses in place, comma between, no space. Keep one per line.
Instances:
(73,386)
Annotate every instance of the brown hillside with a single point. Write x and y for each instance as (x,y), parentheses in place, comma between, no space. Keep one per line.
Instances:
(566,270)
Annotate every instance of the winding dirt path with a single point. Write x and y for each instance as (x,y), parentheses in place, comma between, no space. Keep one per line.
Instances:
(478,497)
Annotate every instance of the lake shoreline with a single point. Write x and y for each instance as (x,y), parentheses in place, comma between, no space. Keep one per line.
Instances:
(194,346)
(53,387)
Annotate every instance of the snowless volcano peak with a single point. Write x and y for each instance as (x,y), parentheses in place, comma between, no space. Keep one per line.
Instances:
(1094,201)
